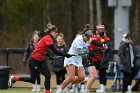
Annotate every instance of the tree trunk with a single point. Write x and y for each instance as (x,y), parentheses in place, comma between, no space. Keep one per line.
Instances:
(99,12)
(91,13)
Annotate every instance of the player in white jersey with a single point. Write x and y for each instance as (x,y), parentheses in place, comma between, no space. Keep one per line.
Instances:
(78,46)
(74,64)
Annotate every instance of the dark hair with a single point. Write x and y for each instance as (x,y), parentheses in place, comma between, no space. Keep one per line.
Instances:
(41,34)
(87,30)
(49,28)
(128,35)
(87,27)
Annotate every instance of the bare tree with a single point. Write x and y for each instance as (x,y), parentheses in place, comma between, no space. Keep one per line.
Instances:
(99,11)
(91,20)
(46,14)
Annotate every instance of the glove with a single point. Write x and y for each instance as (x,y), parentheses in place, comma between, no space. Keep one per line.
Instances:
(105,47)
(68,55)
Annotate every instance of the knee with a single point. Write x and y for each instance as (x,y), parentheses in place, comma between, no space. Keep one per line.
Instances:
(71,78)
(81,78)
(93,76)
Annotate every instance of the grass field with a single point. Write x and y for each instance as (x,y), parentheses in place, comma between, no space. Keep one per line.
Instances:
(28,90)
(24,87)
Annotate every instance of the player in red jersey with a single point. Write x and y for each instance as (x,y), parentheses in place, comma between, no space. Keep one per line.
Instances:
(99,50)
(37,62)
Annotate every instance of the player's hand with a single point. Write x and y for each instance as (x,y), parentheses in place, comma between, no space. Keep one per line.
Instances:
(105,47)
(68,55)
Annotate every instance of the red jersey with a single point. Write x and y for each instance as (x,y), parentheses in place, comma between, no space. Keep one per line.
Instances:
(42,48)
(98,56)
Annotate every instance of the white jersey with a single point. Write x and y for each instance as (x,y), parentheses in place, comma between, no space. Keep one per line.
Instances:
(78,43)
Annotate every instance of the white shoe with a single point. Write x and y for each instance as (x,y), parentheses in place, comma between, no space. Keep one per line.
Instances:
(101,89)
(67,88)
(11,81)
(57,87)
(129,89)
(86,91)
(127,92)
(71,90)
(74,88)
(59,90)
(34,87)
(37,87)
(82,88)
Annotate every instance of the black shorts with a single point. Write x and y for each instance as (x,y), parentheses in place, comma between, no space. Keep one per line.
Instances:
(96,64)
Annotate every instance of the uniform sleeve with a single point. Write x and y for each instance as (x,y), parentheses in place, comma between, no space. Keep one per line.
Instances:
(94,38)
(107,38)
(78,43)
(52,47)
(96,42)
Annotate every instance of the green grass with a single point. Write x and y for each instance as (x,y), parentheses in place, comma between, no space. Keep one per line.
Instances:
(18,90)
(28,90)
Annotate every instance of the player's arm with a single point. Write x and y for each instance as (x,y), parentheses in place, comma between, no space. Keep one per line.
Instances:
(52,47)
(97,43)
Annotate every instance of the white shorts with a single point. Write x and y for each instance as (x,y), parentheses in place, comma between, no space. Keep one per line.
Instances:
(74,61)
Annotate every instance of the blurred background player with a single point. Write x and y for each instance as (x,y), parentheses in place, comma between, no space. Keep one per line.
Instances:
(128,66)
(58,62)
(27,54)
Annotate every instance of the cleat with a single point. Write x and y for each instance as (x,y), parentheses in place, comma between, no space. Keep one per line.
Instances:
(34,87)
(37,87)
(11,81)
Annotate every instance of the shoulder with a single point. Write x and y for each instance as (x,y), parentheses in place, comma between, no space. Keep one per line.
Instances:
(94,37)
(47,36)
(79,37)
(66,47)
(106,38)
(123,44)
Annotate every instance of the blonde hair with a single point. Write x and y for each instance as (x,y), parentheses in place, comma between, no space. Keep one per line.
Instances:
(36,35)
(36,32)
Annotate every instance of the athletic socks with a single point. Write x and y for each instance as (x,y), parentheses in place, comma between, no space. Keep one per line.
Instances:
(16,78)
